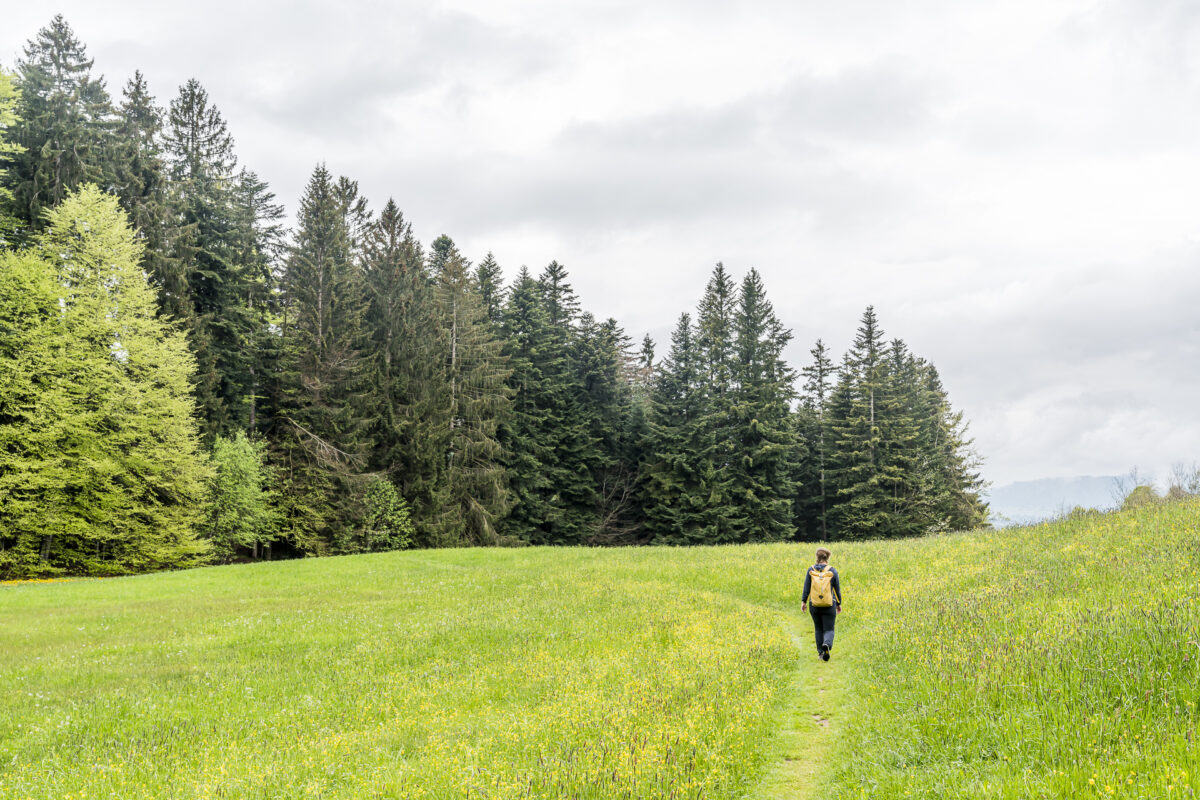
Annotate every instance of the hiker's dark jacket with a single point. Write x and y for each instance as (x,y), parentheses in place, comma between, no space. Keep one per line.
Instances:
(837,587)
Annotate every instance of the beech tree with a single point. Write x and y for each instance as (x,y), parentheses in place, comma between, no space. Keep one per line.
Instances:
(100,471)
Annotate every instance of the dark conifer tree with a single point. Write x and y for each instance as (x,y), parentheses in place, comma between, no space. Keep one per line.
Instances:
(439,251)
(525,436)
(320,431)
(676,481)
(209,284)
(407,380)
(717,448)
(762,473)
(577,455)
(141,178)
(472,494)
(489,282)
(64,126)
(904,468)
(862,506)
(812,499)
(605,369)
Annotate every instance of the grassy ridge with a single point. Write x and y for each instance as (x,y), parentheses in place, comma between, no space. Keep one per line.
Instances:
(1060,660)
(980,665)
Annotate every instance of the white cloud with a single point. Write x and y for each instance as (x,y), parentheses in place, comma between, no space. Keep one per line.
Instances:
(1013,185)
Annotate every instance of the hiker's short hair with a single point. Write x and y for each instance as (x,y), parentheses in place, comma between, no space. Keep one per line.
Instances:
(822,554)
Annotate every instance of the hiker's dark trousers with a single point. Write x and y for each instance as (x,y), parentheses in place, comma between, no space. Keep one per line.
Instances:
(823,619)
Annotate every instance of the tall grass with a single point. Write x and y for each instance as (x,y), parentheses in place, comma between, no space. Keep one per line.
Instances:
(1053,661)
(1059,660)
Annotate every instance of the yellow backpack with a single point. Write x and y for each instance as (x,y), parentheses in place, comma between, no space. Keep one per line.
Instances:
(820,594)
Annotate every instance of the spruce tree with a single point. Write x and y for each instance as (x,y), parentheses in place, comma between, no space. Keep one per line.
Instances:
(717,449)
(953,464)
(439,251)
(904,468)
(101,471)
(762,473)
(605,367)
(526,435)
(209,285)
(64,126)
(407,381)
(489,282)
(812,418)
(472,493)
(577,454)
(861,506)
(140,174)
(675,479)
(320,430)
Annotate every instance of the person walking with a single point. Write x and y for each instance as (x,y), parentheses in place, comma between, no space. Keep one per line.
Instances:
(823,599)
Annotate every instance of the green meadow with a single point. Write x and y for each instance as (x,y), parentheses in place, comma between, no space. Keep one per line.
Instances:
(1060,660)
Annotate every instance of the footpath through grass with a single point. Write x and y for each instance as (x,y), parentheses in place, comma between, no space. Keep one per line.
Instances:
(1017,664)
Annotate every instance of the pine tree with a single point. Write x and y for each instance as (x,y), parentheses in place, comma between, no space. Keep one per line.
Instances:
(64,125)
(717,448)
(320,430)
(141,180)
(407,382)
(675,480)
(209,286)
(489,282)
(576,452)
(101,471)
(861,503)
(812,500)
(762,473)
(472,495)
(526,435)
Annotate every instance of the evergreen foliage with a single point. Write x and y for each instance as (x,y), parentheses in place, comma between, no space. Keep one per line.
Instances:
(472,494)
(321,429)
(812,501)
(217,278)
(675,480)
(762,475)
(360,392)
(64,126)
(489,281)
(405,375)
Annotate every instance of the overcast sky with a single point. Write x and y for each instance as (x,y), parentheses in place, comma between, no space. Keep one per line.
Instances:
(1013,185)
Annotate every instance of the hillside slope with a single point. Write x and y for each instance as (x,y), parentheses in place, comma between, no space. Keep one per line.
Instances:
(1058,661)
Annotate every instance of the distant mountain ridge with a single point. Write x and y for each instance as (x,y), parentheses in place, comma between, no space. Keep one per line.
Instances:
(1024,502)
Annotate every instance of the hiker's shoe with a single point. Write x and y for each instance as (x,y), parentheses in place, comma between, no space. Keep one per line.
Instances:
(825,653)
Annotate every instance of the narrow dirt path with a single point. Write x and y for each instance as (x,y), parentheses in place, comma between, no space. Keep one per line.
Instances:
(809,723)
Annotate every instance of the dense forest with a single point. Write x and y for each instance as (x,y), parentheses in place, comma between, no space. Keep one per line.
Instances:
(183,380)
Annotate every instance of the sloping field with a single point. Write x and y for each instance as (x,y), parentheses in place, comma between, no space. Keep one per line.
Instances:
(1056,661)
